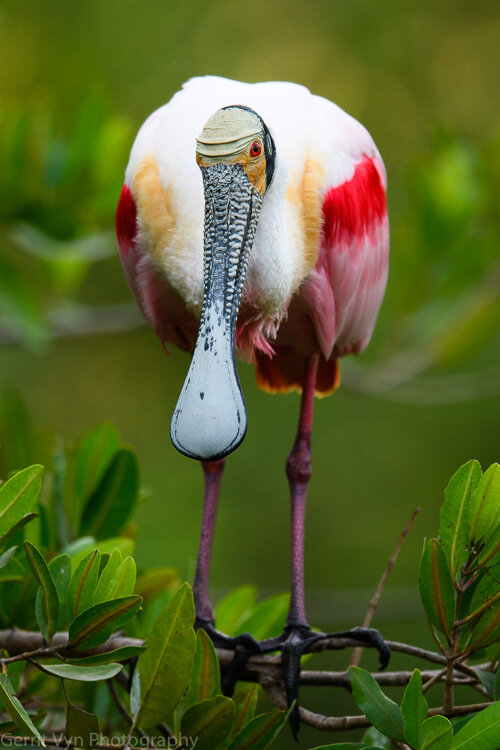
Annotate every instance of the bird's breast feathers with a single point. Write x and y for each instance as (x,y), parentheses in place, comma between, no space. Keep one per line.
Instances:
(318,148)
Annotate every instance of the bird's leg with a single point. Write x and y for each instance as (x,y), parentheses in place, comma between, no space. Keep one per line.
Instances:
(298,635)
(212,471)
(243,645)
(298,470)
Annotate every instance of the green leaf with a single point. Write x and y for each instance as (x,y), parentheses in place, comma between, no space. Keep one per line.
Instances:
(487,630)
(83,584)
(414,708)
(16,710)
(457,722)
(15,670)
(84,674)
(116,582)
(343,746)
(268,617)
(436,734)
(481,732)
(260,732)
(105,579)
(95,452)
(24,520)
(485,506)
(487,589)
(6,557)
(49,614)
(78,549)
(245,699)
(124,653)
(373,737)
(112,502)
(124,544)
(235,608)
(60,570)
(210,722)
(82,725)
(205,675)
(490,549)
(455,513)
(10,568)
(155,581)
(95,625)
(163,670)
(436,587)
(380,710)
(18,496)
(487,681)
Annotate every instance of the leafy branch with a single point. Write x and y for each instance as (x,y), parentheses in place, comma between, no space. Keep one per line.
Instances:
(69,568)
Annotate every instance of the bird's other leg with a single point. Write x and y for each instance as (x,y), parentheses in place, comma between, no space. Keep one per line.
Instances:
(243,645)
(298,635)
(298,470)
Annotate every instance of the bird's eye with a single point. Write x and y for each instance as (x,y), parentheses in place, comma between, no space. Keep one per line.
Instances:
(255,148)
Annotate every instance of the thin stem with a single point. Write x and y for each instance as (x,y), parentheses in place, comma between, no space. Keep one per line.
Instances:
(435,678)
(356,654)
(118,702)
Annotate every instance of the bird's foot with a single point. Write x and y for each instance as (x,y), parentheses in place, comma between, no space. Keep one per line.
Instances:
(243,645)
(370,637)
(295,641)
(292,643)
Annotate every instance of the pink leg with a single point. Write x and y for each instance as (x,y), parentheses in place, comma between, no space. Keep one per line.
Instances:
(298,470)
(213,475)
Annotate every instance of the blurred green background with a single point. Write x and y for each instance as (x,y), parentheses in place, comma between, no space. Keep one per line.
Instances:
(76,81)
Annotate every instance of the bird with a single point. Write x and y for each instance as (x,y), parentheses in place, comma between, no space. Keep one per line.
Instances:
(253,223)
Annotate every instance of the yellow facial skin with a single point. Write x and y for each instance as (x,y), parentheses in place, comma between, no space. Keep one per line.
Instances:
(227,138)
(254,166)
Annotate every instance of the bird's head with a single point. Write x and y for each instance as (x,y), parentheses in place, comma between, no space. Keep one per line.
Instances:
(237,136)
(236,154)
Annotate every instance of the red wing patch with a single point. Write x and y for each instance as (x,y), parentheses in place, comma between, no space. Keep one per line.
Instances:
(126,220)
(353,209)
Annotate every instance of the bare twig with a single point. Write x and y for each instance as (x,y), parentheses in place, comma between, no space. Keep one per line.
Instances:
(356,654)
(277,697)
(438,675)
(449,687)
(28,644)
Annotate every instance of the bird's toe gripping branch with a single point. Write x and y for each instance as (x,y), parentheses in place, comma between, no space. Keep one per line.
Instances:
(296,640)
(243,646)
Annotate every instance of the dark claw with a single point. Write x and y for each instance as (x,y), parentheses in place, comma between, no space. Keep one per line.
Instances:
(294,645)
(243,645)
(371,637)
(295,640)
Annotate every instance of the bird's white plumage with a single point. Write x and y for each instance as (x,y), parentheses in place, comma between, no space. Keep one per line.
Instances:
(303,126)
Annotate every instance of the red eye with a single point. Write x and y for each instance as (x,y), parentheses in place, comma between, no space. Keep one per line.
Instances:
(255,149)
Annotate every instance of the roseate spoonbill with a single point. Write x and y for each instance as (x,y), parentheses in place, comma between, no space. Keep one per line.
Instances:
(278,250)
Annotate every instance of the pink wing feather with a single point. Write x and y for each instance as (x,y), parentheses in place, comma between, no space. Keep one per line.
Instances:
(341,298)
(353,259)
(161,305)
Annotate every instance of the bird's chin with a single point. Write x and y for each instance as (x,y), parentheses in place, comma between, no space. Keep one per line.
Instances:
(210,418)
